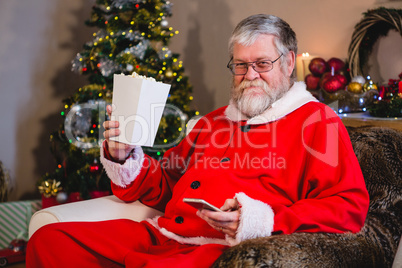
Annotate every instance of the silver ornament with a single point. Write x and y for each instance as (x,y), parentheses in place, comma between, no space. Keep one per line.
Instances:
(129,67)
(61,197)
(164,23)
(360,79)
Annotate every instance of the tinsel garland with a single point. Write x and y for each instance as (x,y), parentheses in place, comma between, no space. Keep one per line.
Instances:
(376,23)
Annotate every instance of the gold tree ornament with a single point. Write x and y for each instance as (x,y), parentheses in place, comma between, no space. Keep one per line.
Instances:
(376,23)
(355,87)
(50,188)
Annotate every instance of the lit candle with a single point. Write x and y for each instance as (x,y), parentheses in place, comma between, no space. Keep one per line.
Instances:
(302,63)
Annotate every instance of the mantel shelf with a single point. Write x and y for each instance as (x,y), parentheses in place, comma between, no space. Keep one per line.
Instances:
(365,119)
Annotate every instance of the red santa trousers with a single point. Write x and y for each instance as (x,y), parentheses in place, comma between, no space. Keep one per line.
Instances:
(115,243)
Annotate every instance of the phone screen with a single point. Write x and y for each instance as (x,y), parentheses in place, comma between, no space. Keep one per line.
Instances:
(200,204)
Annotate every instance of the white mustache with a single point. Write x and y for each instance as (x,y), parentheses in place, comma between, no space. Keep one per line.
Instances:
(254,83)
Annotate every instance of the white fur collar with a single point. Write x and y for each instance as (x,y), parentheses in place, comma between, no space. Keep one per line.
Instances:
(296,97)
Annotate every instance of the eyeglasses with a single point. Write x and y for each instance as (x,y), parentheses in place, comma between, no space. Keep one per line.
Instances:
(260,66)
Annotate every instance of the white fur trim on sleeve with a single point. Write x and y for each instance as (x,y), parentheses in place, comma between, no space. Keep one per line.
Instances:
(256,219)
(123,174)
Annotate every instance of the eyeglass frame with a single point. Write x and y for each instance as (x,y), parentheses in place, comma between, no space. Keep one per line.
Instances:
(252,63)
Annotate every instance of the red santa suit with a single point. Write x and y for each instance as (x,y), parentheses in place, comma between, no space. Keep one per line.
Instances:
(292,169)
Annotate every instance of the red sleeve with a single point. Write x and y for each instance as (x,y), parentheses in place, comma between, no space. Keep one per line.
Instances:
(154,184)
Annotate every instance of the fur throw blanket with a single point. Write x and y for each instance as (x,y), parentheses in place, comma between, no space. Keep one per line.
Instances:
(379,151)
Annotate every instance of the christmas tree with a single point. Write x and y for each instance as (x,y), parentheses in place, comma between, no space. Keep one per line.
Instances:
(132,36)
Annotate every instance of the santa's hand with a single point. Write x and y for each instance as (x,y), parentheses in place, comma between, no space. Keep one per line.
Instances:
(227,221)
(118,151)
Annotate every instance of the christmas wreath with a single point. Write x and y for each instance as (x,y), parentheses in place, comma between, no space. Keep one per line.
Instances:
(377,23)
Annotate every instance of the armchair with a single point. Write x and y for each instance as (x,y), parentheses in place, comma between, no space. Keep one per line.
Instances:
(379,151)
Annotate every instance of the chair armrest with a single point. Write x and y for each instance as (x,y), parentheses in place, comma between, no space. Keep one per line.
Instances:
(98,209)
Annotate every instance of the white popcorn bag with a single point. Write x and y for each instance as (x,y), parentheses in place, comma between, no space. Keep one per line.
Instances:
(138,104)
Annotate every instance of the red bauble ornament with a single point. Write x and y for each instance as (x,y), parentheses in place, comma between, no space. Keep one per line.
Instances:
(342,79)
(334,83)
(312,82)
(324,78)
(318,66)
(336,64)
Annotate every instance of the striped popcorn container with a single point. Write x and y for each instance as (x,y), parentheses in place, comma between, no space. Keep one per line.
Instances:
(14,220)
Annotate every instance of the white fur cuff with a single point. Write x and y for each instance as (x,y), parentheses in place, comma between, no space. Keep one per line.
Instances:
(256,219)
(123,174)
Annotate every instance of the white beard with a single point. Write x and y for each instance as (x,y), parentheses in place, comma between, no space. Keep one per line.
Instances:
(253,102)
